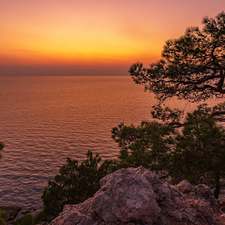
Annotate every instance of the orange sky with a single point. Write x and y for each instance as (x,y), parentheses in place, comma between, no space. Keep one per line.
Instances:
(101,37)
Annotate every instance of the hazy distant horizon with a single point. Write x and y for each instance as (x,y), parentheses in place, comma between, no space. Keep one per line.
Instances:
(64,70)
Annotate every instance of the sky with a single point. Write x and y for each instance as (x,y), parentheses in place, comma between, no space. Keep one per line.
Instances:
(101,37)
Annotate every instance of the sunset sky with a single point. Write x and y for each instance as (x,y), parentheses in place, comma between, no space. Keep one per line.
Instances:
(101,37)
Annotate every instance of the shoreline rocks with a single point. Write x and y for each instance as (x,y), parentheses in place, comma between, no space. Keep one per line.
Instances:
(29,210)
(136,196)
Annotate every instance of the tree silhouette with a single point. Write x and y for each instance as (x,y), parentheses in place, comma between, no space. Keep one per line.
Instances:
(195,152)
(192,66)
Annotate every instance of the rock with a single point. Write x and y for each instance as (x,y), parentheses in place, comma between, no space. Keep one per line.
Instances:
(222,203)
(29,210)
(136,196)
(185,187)
(125,197)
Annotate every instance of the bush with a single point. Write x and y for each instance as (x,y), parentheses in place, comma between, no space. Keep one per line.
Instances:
(75,183)
(25,220)
(193,151)
(3,216)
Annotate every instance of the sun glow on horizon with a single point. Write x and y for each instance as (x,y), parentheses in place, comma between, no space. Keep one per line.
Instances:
(86,33)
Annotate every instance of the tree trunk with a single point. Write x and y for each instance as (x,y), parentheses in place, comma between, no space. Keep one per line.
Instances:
(217,189)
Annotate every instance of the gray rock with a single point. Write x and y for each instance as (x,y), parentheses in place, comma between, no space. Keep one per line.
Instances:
(184,186)
(136,196)
(126,195)
(222,205)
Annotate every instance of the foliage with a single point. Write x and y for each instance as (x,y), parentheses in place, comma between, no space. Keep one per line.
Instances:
(25,220)
(3,216)
(196,152)
(75,183)
(200,150)
(192,66)
(148,145)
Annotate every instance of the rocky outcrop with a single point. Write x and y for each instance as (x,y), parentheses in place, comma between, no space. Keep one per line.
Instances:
(136,196)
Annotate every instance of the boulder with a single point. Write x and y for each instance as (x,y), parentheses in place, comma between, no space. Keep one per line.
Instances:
(136,196)
(222,205)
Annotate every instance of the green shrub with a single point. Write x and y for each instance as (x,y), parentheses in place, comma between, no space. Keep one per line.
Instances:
(75,183)
(193,151)
(25,220)
(3,216)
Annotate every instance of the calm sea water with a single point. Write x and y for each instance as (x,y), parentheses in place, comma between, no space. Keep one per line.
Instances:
(44,120)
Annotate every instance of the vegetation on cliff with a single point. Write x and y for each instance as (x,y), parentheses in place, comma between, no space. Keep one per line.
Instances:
(194,152)
(75,183)
(3,216)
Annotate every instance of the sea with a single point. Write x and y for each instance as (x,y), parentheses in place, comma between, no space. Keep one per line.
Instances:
(45,119)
